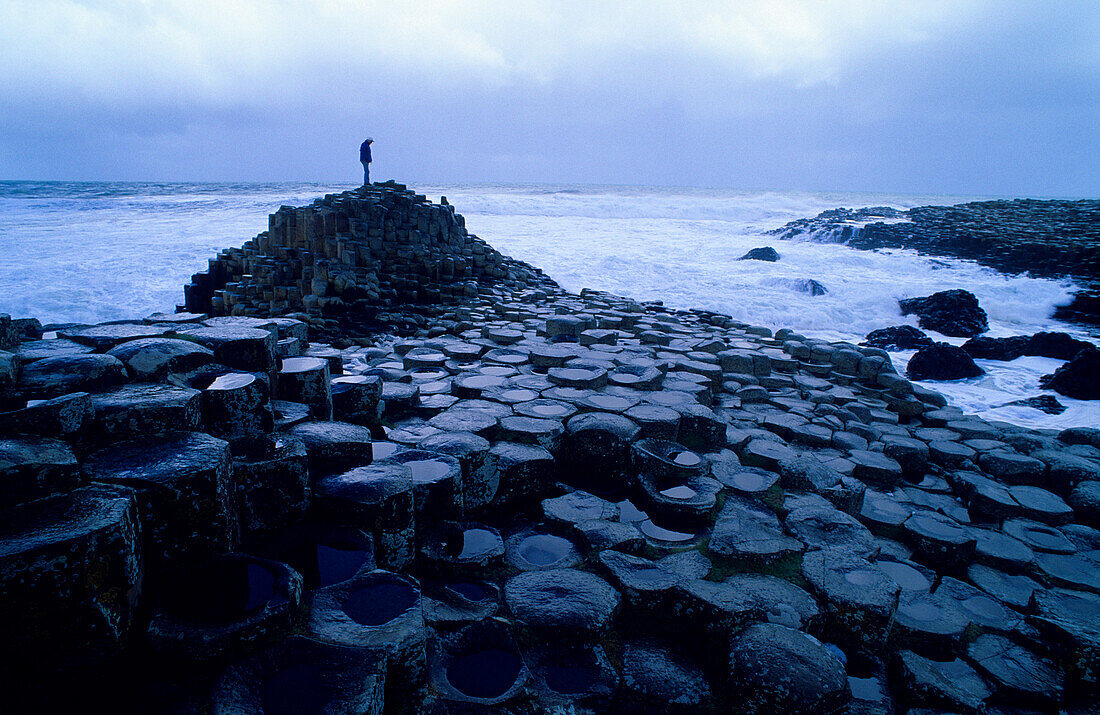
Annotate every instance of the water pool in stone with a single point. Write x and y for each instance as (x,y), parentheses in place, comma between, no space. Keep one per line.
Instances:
(867,689)
(629,514)
(680,492)
(519,395)
(476,542)
(659,533)
(861,577)
(904,575)
(570,679)
(549,410)
(295,690)
(685,458)
(923,611)
(749,481)
(378,603)
(484,674)
(470,591)
(381,450)
(428,470)
(335,565)
(543,549)
(610,402)
(261,587)
(232,381)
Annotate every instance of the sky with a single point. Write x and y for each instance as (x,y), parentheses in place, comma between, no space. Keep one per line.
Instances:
(972,97)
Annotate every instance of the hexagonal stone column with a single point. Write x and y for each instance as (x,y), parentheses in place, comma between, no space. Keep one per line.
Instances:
(32,467)
(235,407)
(70,577)
(272,486)
(185,489)
(306,380)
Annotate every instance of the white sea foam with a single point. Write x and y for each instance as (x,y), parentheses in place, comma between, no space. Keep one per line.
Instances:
(95,252)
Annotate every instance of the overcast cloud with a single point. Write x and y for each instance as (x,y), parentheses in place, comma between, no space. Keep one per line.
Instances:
(965,96)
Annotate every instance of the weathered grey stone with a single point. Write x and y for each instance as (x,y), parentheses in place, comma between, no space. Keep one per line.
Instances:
(951,684)
(751,532)
(55,376)
(155,358)
(778,669)
(306,380)
(334,446)
(657,678)
(143,409)
(567,602)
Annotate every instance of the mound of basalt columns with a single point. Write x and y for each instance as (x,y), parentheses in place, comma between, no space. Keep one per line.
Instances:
(398,472)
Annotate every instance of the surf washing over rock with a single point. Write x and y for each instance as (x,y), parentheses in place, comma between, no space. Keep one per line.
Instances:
(380,467)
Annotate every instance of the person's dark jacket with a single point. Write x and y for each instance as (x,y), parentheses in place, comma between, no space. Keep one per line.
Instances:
(364,152)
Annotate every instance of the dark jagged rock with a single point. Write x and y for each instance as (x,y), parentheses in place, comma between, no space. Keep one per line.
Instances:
(657,679)
(764,253)
(226,609)
(34,467)
(951,312)
(1053,345)
(942,361)
(153,358)
(1042,237)
(56,376)
(1079,378)
(898,337)
(1044,403)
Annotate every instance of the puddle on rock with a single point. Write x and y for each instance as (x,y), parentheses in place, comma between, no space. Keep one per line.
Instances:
(543,549)
(428,470)
(484,674)
(379,603)
(680,492)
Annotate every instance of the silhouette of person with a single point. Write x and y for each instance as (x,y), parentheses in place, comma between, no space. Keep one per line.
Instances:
(364,158)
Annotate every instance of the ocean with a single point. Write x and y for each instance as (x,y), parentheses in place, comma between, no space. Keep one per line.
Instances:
(92,252)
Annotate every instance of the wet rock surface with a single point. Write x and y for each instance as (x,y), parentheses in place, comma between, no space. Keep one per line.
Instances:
(400,472)
(951,312)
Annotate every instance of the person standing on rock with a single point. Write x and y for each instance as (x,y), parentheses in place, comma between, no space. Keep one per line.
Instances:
(364,159)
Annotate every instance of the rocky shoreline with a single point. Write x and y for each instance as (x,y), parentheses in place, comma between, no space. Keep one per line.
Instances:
(374,465)
(1047,238)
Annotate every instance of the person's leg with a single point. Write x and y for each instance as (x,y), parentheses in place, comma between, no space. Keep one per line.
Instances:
(366,173)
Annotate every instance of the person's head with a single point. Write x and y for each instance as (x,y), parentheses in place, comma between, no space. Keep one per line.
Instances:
(369,140)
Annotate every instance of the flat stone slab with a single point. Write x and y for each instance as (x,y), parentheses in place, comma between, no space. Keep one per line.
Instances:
(749,531)
(154,358)
(138,409)
(56,376)
(106,336)
(562,600)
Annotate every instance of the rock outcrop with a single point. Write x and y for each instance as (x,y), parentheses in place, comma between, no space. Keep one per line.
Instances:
(951,312)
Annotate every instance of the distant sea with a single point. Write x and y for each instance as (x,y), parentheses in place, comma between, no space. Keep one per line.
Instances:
(91,252)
